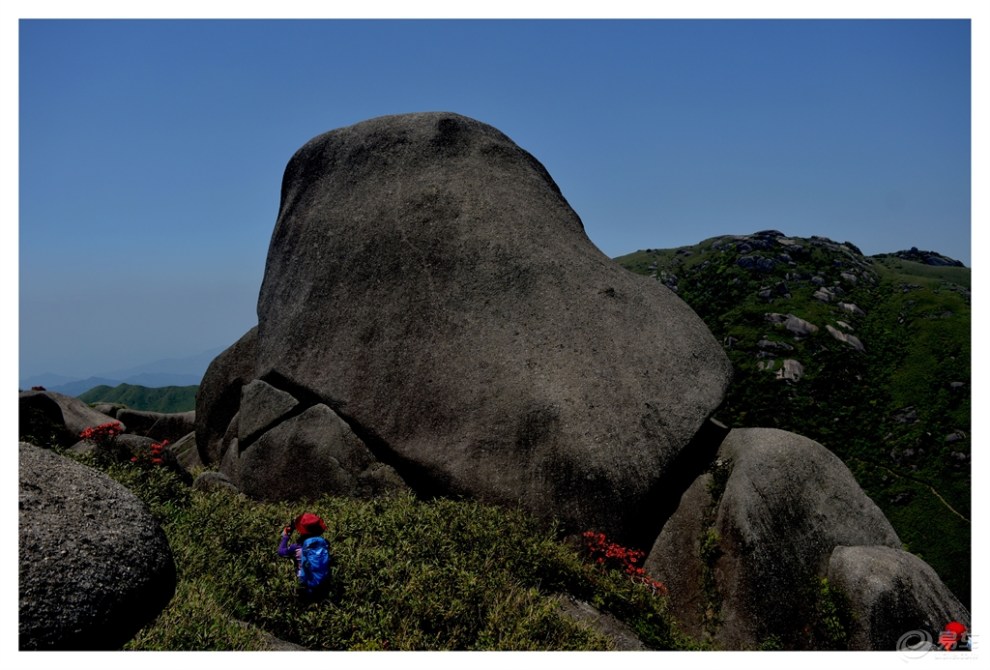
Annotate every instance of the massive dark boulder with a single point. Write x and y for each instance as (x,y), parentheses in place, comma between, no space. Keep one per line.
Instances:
(428,282)
(744,555)
(94,565)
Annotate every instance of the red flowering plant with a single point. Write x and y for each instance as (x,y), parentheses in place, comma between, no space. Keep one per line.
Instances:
(104,438)
(155,455)
(610,555)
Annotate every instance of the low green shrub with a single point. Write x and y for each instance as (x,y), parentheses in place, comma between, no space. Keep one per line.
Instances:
(407,574)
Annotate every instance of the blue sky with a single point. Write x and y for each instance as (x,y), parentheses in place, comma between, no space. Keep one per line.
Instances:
(151,152)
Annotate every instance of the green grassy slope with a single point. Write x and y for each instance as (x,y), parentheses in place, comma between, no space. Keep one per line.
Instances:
(897,413)
(166,399)
(406,575)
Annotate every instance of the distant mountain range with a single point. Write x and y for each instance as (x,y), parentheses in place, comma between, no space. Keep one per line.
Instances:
(165,372)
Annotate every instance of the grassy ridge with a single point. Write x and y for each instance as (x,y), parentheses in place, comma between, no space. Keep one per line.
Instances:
(898,414)
(167,399)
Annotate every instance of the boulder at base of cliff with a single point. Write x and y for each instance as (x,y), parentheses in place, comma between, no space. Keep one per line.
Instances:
(94,565)
(428,282)
(893,594)
(744,554)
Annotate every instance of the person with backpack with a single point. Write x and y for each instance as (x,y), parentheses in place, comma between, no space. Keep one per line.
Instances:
(311,554)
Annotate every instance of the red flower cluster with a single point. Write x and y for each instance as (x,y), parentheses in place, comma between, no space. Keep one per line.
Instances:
(103,434)
(611,555)
(153,456)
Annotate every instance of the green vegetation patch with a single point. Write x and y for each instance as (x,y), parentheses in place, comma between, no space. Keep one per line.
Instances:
(407,574)
(898,413)
(166,399)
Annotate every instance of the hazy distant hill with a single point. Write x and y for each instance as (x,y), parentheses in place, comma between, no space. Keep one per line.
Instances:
(874,364)
(165,399)
(165,372)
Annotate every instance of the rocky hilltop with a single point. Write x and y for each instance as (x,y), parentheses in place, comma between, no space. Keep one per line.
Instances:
(869,356)
(433,317)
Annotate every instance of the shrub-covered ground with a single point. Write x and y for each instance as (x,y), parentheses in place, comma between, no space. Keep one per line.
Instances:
(407,574)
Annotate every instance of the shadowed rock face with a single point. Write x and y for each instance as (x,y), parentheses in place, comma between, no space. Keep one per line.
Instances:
(94,564)
(893,593)
(428,282)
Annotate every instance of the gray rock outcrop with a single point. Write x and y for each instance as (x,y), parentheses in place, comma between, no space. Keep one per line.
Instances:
(76,416)
(429,284)
(892,593)
(158,425)
(845,338)
(743,553)
(219,395)
(95,566)
(185,452)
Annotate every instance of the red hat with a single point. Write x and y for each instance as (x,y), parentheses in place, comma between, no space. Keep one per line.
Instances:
(955,627)
(310,524)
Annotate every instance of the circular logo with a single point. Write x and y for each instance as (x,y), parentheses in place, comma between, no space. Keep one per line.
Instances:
(914,644)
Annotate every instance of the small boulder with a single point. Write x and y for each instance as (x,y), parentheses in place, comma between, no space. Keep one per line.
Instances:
(158,425)
(799,327)
(851,309)
(791,370)
(185,452)
(306,455)
(891,593)
(41,422)
(77,416)
(845,338)
(95,566)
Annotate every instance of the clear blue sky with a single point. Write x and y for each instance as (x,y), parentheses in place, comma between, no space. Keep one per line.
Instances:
(151,152)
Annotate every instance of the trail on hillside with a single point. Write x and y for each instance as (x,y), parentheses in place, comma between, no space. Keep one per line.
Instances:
(923,483)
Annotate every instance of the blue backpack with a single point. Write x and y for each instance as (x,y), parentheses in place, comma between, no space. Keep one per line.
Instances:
(314,563)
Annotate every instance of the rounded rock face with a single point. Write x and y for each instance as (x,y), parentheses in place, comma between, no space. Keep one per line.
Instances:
(743,554)
(427,280)
(892,593)
(95,566)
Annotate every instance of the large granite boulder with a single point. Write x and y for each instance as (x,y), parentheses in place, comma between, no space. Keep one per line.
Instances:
(893,593)
(95,566)
(744,554)
(428,282)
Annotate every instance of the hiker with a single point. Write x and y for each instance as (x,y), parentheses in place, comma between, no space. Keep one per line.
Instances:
(311,554)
